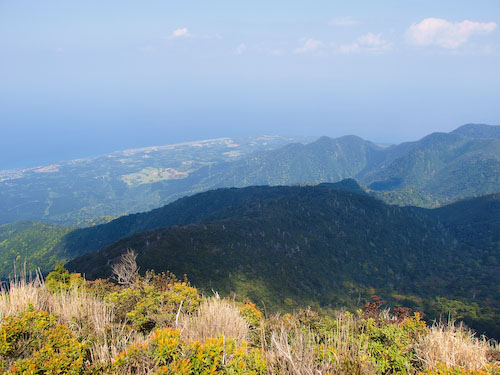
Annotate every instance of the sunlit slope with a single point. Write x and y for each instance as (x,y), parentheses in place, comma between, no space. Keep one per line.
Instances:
(31,244)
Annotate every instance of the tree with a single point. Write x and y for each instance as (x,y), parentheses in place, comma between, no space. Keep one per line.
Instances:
(126,271)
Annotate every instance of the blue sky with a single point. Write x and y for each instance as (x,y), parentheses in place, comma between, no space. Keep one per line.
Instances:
(79,78)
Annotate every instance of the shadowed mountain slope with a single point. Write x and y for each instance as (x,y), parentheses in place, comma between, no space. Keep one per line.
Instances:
(321,246)
(184,211)
(32,241)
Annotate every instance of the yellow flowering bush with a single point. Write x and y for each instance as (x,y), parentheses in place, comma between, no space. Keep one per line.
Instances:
(147,305)
(61,280)
(33,343)
(252,314)
(165,353)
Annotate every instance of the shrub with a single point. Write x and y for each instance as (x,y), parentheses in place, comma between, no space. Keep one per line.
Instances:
(252,315)
(149,303)
(391,344)
(33,343)
(136,359)
(61,280)
(166,353)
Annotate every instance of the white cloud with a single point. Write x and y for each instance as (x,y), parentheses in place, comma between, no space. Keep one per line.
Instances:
(183,32)
(343,21)
(366,43)
(445,34)
(307,45)
(240,49)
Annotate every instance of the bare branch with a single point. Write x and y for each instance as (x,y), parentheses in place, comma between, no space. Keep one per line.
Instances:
(126,270)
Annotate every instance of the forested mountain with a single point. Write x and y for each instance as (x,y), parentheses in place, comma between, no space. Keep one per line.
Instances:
(327,245)
(439,168)
(325,160)
(32,241)
(30,244)
(478,131)
(316,245)
(445,166)
(184,211)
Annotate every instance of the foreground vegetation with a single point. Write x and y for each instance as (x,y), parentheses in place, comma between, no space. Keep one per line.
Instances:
(158,324)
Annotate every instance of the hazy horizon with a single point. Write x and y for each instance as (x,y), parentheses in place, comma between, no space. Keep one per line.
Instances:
(59,156)
(87,78)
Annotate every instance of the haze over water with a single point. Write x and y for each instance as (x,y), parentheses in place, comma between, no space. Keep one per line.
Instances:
(84,78)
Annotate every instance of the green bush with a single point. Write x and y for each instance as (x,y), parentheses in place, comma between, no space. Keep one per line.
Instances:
(61,280)
(154,301)
(165,353)
(391,343)
(33,343)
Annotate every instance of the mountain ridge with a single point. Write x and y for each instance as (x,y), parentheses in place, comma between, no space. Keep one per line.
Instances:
(437,169)
(321,246)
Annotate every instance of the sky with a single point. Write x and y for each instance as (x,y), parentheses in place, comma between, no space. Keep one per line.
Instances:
(87,77)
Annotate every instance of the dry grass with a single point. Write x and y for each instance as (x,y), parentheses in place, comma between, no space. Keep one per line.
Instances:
(293,351)
(84,314)
(455,346)
(20,294)
(214,318)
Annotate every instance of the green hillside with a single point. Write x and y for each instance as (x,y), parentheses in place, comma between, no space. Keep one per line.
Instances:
(315,245)
(35,244)
(325,160)
(445,167)
(439,168)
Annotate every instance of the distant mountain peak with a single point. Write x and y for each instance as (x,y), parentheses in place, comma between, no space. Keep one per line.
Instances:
(346,139)
(478,131)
